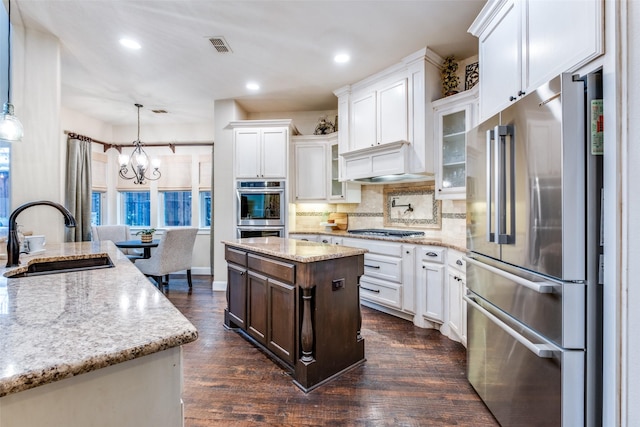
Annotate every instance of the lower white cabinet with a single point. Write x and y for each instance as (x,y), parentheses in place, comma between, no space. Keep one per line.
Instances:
(430,283)
(456,286)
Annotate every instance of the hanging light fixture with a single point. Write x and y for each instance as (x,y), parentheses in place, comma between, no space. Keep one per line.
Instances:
(10,127)
(136,165)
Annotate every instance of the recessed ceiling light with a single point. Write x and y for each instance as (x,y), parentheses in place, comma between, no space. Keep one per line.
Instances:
(341,58)
(129,43)
(253,86)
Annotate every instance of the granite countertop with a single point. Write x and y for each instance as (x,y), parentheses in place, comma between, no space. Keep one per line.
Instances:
(425,240)
(295,250)
(56,326)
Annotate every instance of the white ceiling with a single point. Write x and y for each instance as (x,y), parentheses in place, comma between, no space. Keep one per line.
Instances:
(285,46)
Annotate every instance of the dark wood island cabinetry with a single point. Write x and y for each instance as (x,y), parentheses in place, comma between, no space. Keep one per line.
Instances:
(299,301)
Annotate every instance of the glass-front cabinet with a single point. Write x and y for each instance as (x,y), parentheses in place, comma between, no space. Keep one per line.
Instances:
(454,116)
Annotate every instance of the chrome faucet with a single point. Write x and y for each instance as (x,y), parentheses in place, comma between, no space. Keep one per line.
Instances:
(13,245)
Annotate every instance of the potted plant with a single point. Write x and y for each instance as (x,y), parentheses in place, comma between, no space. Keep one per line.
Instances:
(146,235)
(450,80)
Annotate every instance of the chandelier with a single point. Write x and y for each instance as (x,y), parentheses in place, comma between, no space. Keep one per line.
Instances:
(136,165)
(10,127)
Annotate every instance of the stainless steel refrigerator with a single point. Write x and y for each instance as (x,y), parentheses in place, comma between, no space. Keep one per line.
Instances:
(533,197)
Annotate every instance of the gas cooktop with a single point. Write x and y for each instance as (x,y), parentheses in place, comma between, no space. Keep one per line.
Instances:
(386,232)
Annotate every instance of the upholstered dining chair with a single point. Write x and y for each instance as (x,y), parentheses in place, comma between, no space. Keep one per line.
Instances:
(174,253)
(115,233)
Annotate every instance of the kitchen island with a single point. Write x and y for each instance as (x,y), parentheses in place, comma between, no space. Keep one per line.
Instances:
(299,302)
(98,347)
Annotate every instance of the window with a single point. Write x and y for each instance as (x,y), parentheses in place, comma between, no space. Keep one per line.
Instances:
(176,208)
(96,207)
(205,209)
(136,208)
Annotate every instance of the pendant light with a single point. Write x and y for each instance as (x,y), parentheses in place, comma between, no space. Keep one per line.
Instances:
(136,166)
(10,127)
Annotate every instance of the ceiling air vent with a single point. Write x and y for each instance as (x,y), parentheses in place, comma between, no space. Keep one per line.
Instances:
(220,44)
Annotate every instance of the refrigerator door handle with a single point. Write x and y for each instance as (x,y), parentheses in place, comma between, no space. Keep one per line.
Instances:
(540,350)
(502,203)
(540,287)
(490,137)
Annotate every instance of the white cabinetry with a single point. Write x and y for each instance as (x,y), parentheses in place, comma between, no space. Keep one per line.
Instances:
(261,148)
(381,286)
(456,287)
(315,171)
(388,127)
(379,114)
(305,237)
(430,285)
(454,116)
(524,43)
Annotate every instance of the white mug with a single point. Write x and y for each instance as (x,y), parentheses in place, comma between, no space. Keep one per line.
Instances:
(36,243)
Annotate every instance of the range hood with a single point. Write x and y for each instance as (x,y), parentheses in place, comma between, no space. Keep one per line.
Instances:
(382,164)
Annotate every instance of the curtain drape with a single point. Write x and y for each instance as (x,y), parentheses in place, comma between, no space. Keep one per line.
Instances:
(78,188)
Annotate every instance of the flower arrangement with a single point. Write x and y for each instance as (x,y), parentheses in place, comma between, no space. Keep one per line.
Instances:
(146,235)
(450,80)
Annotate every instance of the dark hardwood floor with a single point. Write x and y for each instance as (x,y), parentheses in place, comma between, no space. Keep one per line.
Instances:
(412,376)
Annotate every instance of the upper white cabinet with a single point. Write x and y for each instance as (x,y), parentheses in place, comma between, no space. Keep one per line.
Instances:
(379,116)
(261,148)
(315,171)
(454,116)
(386,120)
(524,43)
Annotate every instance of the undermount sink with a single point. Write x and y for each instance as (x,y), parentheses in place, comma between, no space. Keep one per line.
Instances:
(39,268)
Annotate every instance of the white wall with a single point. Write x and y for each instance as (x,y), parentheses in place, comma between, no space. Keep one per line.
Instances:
(223,191)
(36,163)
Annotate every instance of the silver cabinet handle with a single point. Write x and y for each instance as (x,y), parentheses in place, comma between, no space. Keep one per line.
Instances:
(431,254)
(377,291)
(540,350)
(458,262)
(540,287)
(372,266)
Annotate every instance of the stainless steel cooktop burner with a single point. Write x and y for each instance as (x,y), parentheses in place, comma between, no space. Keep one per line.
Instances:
(386,232)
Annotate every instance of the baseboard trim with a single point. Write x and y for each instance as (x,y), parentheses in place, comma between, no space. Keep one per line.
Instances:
(218,285)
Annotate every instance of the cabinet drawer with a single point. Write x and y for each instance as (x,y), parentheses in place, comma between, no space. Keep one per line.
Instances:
(456,260)
(375,246)
(383,267)
(235,256)
(271,267)
(380,292)
(431,254)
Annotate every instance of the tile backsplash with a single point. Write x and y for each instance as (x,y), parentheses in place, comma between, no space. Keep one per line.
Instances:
(370,213)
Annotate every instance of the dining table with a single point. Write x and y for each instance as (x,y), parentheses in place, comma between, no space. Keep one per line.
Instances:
(137,244)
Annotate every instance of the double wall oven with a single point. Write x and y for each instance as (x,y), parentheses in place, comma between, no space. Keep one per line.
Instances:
(260,208)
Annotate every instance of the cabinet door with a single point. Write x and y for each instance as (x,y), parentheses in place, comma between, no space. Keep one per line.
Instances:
(451,177)
(274,153)
(500,50)
(561,36)
(310,172)
(455,302)
(363,121)
(247,151)
(257,307)
(432,281)
(392,113)
(408,279)
(237,295)
(281,331)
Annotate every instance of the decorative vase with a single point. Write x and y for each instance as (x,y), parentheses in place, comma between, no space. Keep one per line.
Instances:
(146,238)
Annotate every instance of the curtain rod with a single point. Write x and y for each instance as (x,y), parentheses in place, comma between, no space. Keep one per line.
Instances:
(107,145)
